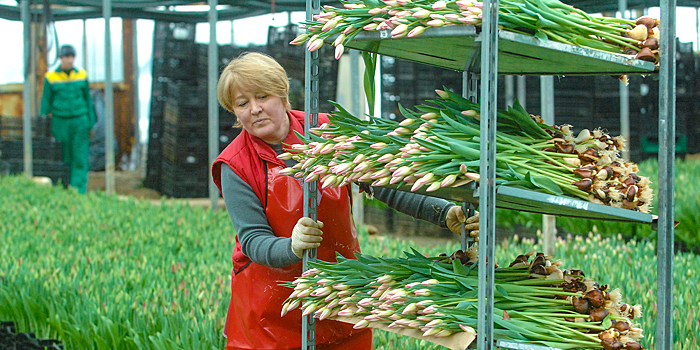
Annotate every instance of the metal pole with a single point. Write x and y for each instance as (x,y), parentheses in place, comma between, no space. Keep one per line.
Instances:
(311,92)
(470,91)
(547,108)
(510,90)
(213,105)
(26,93)
(487,185)
(624,98)
(85,51)
(358,207)
(109,100)
(521,91)
(667,155)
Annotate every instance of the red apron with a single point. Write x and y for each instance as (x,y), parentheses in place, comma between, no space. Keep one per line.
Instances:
(253,320)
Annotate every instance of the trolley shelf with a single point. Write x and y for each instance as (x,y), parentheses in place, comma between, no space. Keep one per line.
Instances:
(457,47)
(542,203)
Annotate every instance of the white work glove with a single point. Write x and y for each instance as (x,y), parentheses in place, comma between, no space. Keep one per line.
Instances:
(455,218)
(306,235)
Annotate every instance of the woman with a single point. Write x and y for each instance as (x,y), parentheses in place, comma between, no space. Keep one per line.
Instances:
(266,211)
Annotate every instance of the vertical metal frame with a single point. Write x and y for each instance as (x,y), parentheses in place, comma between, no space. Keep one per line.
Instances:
(27,93)
(109,100)
(470,91)
(487,185)
(624,97)
(667,156)
(311,92)
(213,118)
(547,108)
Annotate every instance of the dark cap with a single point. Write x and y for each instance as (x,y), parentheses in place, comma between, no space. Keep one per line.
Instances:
(66,50)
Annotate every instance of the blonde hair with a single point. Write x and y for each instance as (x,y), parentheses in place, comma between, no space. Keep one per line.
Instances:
(252,71)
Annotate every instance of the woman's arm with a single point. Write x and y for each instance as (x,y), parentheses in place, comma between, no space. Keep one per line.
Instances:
(247,214)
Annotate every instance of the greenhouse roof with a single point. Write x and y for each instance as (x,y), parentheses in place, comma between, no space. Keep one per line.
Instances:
(172,11)
(594,6)
(176,10)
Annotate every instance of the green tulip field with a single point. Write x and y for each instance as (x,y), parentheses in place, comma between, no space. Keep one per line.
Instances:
(99,272)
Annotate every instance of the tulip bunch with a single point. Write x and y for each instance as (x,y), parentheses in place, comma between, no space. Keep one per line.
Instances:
(544,19)
(438,147)
(534,301)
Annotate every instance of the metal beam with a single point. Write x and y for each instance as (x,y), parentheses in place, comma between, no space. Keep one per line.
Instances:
(109,101)
(27,94)
(547,110)
(311,97)
(487,184)
(213,69)
(667,156)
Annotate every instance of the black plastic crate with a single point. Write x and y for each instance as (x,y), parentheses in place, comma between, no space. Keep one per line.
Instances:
(175,68)
(226,135)
(171,48)
(187,153)
(185,190)
(185,132)
(185,180)
(58,172)
(174,31)
(41,149)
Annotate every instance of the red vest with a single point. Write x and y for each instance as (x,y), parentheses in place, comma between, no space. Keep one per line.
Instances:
(253,320)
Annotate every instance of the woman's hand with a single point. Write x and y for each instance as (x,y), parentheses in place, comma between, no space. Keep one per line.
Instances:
(455,218)
(306,235)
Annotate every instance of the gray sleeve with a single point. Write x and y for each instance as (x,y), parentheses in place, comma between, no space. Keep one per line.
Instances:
(430,209)
(258,242)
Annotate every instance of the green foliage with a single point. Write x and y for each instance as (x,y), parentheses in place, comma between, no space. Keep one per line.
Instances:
(102,273)
(99,272)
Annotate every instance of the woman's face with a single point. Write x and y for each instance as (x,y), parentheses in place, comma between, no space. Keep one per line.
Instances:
(262,115)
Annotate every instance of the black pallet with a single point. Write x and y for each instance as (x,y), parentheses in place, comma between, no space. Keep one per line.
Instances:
(175,68)
(58,172)
(43,149)
(190,153)
(184,180)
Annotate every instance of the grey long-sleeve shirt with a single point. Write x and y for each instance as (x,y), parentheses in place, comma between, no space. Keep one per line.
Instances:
(263,247)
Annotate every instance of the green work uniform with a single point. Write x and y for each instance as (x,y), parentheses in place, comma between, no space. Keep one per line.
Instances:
(67,98)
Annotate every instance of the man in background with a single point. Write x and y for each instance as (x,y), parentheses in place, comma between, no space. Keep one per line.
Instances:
(67,99)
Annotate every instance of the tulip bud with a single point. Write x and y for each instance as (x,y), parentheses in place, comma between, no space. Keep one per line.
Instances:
(348,30)
(361,324)
(443,94)
(371,26)
(474,10)
(374,11)
(420,14)
(439,5)
(435,23)
(315,45)
(400,31)
(299,39)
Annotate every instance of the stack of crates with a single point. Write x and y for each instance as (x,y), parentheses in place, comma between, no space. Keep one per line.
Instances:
(185,146)
(174,59)
(46,153)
